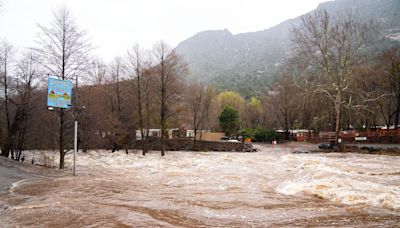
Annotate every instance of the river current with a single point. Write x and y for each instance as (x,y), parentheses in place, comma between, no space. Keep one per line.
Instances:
(271,187)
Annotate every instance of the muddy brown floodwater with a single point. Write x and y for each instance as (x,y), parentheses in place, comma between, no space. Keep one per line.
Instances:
(272,187)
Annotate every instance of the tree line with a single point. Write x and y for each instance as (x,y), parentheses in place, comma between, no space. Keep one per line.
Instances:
(340,75)
(331,82)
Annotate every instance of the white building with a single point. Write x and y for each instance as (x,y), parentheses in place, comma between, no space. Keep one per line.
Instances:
(190,133)
(154,133)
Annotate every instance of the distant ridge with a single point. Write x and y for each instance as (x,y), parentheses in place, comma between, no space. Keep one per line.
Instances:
(249,62)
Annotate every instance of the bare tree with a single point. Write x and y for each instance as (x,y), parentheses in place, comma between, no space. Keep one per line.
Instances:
(5,59)
(198,99)
(116,72)
(120,93)
(253,114)
(206,109)
(391,59)
(63,50)
(330,47)
(148,80)
(169,68)
(282,97)
(28,77)
(136,64)
(17,83)
(96,72)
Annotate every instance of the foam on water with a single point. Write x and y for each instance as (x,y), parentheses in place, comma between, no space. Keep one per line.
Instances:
(350,179)
(16,185)
(355,179)
(269,188)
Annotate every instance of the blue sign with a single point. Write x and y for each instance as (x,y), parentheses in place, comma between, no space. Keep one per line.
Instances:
(59,93)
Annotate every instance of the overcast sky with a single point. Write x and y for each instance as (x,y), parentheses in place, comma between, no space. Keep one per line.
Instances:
(115,25)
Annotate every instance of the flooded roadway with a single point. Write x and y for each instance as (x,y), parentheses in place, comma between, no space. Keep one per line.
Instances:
(272,187)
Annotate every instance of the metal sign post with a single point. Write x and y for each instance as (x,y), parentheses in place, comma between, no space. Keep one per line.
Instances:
(75,147)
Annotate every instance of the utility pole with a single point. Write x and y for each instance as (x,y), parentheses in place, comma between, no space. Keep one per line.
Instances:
(75,147)
(76,126)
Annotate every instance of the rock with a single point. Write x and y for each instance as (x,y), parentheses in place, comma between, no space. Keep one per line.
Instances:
(324,146)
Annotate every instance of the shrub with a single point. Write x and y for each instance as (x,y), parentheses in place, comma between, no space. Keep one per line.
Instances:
(229,120)
(260,135)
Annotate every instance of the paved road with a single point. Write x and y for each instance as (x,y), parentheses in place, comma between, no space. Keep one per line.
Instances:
(10,173)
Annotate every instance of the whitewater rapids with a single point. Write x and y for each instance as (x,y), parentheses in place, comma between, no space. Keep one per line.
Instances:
(272,187)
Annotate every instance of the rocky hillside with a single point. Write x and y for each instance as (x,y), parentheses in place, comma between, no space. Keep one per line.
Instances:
(249,62)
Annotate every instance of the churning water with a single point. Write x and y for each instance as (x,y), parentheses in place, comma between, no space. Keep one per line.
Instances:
(273,187)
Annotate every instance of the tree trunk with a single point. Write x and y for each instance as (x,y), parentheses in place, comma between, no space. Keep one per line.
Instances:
(118,95)
(6,149)
(163,126)
(62,156)
(1,138)
(61,138)
(163,105)
(10,143)
(147,121)
(337,117)
(201,132)
(195,138)
(139,101)
(20,143)
(286,124)
(397,115)
(12,152)
(162,143)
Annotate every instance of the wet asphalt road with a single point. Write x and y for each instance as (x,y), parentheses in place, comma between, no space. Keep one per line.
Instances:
(9,174)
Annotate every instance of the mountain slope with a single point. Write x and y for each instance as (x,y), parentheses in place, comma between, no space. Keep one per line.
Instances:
(249,62)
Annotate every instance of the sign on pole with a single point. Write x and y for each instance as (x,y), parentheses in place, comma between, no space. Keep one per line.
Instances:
(59,93)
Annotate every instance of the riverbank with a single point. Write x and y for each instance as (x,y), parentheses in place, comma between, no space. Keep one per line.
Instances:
(371,149)
(375,149)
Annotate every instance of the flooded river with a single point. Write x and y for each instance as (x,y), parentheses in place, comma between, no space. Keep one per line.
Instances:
(272,187)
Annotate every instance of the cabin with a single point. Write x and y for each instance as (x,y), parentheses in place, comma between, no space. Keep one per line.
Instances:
(299,135)
(206,135)
(155,133)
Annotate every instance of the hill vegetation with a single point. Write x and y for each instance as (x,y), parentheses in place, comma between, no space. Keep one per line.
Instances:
(250,62)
